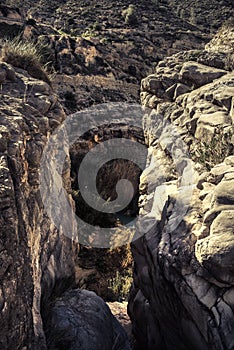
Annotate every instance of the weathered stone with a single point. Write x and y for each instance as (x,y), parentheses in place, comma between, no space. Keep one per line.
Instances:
(180,90)
(199,74)
(82,320)
(182,297)
(2,76)
(224,193)
(9,71)
(28,239)
(206,124)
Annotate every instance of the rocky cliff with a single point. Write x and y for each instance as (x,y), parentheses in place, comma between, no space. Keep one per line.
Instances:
(36,260)
(183,294)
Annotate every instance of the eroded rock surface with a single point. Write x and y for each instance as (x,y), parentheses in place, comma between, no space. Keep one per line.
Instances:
(36,259)
(183,292)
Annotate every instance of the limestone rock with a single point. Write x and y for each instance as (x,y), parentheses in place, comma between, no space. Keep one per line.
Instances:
(182,297)
(222,41)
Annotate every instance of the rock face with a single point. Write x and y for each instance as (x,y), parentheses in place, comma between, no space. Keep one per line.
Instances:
(223,41)
(183,293)
(81,320)
(36,259)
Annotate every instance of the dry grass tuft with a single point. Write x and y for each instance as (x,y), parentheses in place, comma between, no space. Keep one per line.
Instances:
(26,55)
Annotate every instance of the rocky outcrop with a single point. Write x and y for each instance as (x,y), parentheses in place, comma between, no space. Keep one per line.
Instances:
(223,41)
(183,293)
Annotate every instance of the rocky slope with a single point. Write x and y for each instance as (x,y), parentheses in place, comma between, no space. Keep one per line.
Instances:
(183,294)
(97,55)
(100,55)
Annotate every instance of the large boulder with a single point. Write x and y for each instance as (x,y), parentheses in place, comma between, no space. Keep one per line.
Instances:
(80,320)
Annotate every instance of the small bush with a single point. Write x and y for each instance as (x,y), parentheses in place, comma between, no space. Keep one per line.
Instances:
(97,26)
(26,55)
(70,103)
(130,15)
(182,14)
(155,3)
(192,18)
(120,284)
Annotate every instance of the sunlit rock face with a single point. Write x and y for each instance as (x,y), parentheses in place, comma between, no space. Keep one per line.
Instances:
(183,293)
(36,259)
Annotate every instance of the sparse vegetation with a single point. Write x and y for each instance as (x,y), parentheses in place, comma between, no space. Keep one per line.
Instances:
(26,55)
(229,62)
(121,279)
(120,284)
(211,153)
(113,271)
(92,31)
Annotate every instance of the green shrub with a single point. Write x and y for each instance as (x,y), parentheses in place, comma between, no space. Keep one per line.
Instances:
(97,26)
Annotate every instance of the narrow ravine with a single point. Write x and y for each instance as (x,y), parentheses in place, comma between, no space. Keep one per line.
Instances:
(107,272)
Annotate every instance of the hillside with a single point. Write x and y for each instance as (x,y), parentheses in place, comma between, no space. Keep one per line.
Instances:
(99,54)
